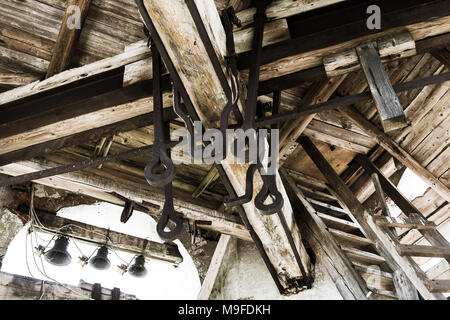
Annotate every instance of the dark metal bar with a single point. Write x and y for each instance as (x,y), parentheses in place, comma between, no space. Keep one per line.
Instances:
(349,100)
(212,54)
(78,165)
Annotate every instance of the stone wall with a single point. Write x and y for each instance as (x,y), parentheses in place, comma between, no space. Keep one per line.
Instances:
(244,276)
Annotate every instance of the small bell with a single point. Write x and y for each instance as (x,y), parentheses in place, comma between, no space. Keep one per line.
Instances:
(100,261)
(138,269)
(58,255)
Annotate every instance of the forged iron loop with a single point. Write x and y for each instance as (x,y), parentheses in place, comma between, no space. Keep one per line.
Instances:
(247,197)
(169,215)
(160,155)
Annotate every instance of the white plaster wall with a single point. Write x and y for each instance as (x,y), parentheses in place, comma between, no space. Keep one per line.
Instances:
(243,275)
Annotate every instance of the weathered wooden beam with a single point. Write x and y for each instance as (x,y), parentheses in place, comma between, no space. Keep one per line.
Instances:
(211,177)
(384,243)
(318,233)
(17,79)
(396,151)
(388,105)
(200,81)
(15,287)
(102,189)
(214,267)
(404,223)
(423,251)
(87,233)
(69,33)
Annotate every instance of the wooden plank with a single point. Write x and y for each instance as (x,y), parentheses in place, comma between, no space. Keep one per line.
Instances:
(363,256)
(69,33)
(373,232)
(15,287)
(396,151)
(16,79)
(350,239)
(100,188)
(200,81)
(327,208)
(404,223)
(423,251)
(214,267)
(336,223)
(75,74)
(439,286)
(388,105)
(91,234)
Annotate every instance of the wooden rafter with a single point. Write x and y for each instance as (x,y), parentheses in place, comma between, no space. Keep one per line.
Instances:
(68,36)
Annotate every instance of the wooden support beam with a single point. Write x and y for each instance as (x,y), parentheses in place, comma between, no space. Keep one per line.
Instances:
(101,189)
(91,234)
(423,251)
(212,176)
(198,73)
(404,223)
(396,151)
(383,242)
(318,235)
(214,267)
(16,79)
(439,286)
(71,26)
(15,287)
(389,107)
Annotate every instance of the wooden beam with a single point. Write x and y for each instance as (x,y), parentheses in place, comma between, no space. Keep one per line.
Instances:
(388,105)
(423,251)
(69,33)
(396,151)
(201,80)
(87,233)
(384,244)
(214,267)
(404,223)
(319,235)
(16,79)
(101,189)
(15,287)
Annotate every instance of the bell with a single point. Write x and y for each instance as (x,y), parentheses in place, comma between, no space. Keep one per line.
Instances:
(100,261)
(138,269)
(58,255)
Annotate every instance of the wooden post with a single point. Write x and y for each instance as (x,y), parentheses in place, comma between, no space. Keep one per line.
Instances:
(214,267)
(69,33)
(387,102)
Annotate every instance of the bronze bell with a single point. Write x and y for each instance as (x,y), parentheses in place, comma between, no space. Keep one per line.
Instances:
(100,261)
(138,269)
(58,255)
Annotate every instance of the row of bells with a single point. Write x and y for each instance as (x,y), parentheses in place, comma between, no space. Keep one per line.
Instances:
(59,256)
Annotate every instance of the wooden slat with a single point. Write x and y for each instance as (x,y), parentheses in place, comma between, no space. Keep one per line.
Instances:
(403,223)
(363,256)
(423,251)
(68,37)
(439,286)
(337,223)
(350,239)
